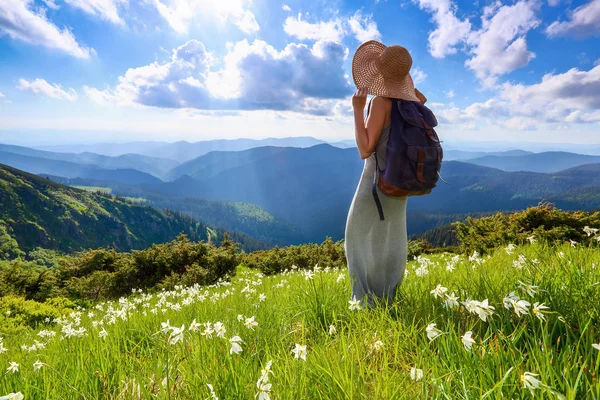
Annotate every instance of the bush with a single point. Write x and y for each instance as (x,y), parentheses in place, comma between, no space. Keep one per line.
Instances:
(544,222)
(19,313)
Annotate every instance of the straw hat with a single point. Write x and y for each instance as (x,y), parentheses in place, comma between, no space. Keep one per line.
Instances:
(384,71)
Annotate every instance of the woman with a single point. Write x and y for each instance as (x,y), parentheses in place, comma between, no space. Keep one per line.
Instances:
(376,250)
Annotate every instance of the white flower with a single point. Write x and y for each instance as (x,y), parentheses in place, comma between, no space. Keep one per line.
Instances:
(451,301)
(308,275)
(208,331)
(531,290)
(508,300)
(531,239)
(212,392)
(12,367)
(38,365)
(299,352)
(596,346)
(467,340)
(340,278)
(561,254)
(354,304)
(378,345)
(590,231)
(332,330)
(573,243)
(484,310)
(264,389)
(250,323)
(416,374)
(219,329)
(235,345)
(432,331)
(13,396)
(439,291)
(538,311)
(240,317)
(103,334)
(530,382)
(194,326)
(521,307)
(165,327)
(509,249)
(176,335)
(266,371)
(470,305)
(262,297)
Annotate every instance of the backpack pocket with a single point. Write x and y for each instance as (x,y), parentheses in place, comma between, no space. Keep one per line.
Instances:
(424,163)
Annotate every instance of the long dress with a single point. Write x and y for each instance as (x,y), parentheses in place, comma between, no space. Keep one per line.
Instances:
(376,251)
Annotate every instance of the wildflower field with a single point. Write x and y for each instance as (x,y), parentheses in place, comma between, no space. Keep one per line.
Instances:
(521,323)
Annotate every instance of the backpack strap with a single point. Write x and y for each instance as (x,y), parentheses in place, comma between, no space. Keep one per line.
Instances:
(374,190)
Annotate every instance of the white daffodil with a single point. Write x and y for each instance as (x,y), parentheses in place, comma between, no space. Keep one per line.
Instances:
(354,304)
(484,310)
(432,331)
(194,326)
(262,297)
(165,327)
(573,243)
(508,300)
(13,396)
(510,248)
(467,340)
(439,291)
(531,290)
(378,345)
(530,382)
(531,239)
(416,374)
(451,301)
(213,395)
(102,334)
(208,330)
(38,365)
(266,371)
(538,311)
(471,305)
(299,352)
(332,330)
(340,278)
(240,317)
(264,390)
(596,346)
(521,307)
(219,329)
(250,323)
(235,345)
(12,367)
(176,335)
(590,231)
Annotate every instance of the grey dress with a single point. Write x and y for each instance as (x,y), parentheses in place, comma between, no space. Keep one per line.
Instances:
(376,250)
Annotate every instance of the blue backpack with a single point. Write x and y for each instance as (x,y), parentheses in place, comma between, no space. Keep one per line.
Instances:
(414,153)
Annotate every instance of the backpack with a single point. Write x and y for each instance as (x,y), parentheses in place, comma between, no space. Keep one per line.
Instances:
(414,153)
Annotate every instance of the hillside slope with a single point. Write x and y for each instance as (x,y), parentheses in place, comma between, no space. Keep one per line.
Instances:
(548,162)
(39,212)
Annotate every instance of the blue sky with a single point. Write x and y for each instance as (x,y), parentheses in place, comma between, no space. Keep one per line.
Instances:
(82,71)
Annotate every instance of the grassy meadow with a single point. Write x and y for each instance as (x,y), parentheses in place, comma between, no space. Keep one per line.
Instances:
(296,335)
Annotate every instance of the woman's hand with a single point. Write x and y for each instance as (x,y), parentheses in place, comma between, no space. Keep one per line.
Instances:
(359,99)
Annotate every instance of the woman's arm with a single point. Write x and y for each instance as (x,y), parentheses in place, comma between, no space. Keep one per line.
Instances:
(367,132)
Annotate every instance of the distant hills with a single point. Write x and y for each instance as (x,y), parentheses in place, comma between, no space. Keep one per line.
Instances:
(551,161)
(38,212)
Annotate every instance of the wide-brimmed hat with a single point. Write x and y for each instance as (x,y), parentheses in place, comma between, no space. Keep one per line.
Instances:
(384,71)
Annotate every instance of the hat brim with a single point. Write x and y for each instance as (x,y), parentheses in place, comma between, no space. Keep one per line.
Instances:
(366,74)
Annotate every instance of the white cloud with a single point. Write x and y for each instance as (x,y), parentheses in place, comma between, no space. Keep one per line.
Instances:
(597,62)
(51,4)
(500,46)
(20,20)
(449,32)
(418,76)
(450,93)
(584,21)
(287,8)
(363,27)
(570,97)
(553,3)
(40,86)
(1,95)
(332,30)
(254,76)
(180,13)
(104,9)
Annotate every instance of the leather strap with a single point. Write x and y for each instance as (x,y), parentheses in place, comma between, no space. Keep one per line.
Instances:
(420,160)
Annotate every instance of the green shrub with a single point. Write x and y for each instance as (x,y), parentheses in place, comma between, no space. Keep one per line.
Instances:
(19,313)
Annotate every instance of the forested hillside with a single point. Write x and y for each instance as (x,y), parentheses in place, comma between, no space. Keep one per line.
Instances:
(37,212)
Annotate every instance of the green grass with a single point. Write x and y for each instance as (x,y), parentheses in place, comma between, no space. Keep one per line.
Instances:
(136,360)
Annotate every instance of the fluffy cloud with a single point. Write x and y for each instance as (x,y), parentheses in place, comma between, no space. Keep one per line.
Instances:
(332,30)
(179,13)
(104,9)
(449,32)
(20,20)
(450,93)
(418,76)
(254,76)
(570,97)
(584,21)
(287,8)
(499,47)
(363,27)
(40,86)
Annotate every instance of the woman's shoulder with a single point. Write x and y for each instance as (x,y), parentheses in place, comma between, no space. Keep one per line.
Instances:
(383,102)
